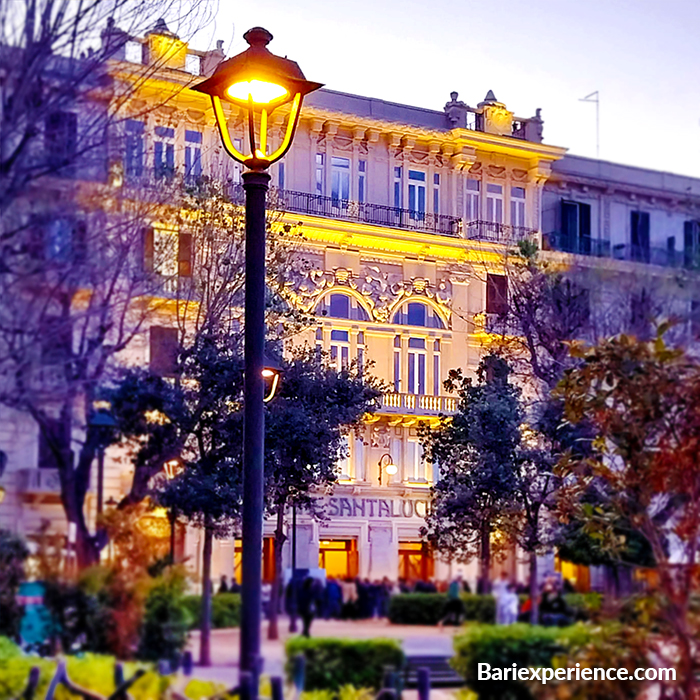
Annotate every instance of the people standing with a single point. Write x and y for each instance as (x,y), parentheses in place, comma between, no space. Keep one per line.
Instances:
(309,602)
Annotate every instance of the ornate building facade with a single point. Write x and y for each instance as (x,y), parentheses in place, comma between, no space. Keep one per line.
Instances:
(406,215)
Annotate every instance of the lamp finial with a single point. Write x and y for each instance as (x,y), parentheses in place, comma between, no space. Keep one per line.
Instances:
(257,36)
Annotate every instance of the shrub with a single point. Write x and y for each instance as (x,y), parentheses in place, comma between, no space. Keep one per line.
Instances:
(333,663)
(167,618)
(13,552)
(8,649)
(502,646)
(92,672)
(225,610)
(429,608)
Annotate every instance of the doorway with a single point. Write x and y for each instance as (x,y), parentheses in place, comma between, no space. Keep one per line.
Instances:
(416,561)
(338,557)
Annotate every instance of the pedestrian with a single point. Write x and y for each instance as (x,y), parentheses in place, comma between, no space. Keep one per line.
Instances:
(454,608)
(509,603)
(500,588)
(223,585)
(309,602)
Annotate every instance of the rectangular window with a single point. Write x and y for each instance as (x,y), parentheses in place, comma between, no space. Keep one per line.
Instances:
(54,445)
(184,255)
(280,176)
(164,151)
(494,203)
(61,141)
(691,243)
(575,227)
(415,466)
(517,206)
(193,154)
(164,252)
(496,294)
(340,181)
(361,181)
(437,384)
(320,170)
(134,148)
(397,364)
(193,64)
(639,238)
(416,194)
(436,193)
(471,202)
(163,345)
(398,189)
(416,366)
(340,349)
(133,52)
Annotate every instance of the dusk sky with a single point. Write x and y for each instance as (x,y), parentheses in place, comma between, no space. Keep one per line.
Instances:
(641,55)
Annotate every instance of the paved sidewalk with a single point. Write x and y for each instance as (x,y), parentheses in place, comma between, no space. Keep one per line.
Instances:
(426,641)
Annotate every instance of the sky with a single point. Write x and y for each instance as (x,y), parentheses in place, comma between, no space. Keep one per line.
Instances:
(642,56)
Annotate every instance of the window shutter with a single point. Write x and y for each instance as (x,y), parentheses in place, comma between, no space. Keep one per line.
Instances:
(163,349)
(148,249)
(584,231)
(184,255)
(569,225)
(496,294)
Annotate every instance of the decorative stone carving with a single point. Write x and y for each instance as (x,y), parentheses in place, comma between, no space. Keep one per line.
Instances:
(456,112)
(497,171)
(519,175)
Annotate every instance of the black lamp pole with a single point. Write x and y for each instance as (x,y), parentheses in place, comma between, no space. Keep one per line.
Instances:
(255,184)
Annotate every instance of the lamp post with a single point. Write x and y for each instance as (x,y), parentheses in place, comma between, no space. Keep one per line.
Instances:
(258,82)
(390,468)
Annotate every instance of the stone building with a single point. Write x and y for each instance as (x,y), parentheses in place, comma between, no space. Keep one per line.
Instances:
(406,214)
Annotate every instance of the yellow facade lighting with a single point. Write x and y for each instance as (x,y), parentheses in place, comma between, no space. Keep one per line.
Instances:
(259,82)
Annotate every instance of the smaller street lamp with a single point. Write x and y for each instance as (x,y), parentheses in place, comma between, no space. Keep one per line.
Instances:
(104,425)
(272,374)
(389,467)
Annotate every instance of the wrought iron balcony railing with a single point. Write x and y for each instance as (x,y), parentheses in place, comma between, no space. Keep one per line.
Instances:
(494,232)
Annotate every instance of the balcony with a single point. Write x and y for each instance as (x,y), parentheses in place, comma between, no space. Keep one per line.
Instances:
(417,403)
(664,257)
(362,212)
(493,232)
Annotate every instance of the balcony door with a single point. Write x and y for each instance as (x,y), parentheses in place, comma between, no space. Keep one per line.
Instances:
(416,195)
(340,182)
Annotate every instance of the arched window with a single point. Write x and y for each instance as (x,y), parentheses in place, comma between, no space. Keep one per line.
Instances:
(416,313)
(339,305)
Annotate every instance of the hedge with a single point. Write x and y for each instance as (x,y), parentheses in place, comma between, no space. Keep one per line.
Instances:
(429,608)
(333,663)
(225,610)
(501,646)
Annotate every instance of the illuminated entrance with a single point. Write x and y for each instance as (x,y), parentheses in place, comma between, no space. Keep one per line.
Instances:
(268,562)
(338,557)
(416,561)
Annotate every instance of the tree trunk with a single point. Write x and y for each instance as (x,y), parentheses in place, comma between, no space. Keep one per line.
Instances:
(485,559)
(273,626)
(534,602)
(205,627)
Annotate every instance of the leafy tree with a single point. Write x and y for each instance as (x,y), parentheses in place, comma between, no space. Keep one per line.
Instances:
(643,401)
(196,421)
(317,405)
(477,450)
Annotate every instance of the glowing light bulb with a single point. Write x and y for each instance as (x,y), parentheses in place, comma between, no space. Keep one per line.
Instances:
(260,91)
(391,469)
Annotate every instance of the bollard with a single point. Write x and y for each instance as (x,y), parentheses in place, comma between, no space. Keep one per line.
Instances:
(32,683)
(299,672)
(423,684)
(119,681)
(187,663)
(164,667)
(277,690)
(245,685)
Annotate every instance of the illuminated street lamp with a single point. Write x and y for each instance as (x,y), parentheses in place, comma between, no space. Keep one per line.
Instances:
(258,82)
(389,467)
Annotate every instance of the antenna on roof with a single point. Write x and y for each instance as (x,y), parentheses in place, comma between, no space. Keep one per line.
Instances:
(595,97)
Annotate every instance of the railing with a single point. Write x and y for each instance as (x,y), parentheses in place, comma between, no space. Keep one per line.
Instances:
(365,212)
(38,481)
(664,257)
(418,403)
(497,233)
(576,245)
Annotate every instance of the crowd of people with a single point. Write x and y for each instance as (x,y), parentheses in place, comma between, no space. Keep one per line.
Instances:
(362,599)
